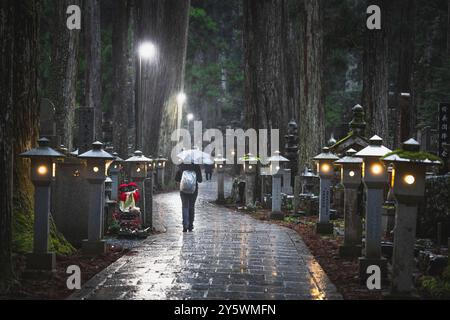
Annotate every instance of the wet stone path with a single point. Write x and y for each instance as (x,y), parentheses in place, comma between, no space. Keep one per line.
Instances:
(228,256)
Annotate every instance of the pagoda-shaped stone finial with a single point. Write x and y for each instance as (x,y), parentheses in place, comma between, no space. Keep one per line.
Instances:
(358,124)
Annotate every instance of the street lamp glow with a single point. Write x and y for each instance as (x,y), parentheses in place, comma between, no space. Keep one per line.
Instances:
(326,167)
(190,117)
(147,51)
(351,174)
(181,98)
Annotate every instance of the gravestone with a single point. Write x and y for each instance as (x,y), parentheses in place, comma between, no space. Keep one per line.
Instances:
(47,125)
(69,202)
(86,117)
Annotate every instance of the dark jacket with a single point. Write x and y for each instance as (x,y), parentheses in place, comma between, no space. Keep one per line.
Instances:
(189,167)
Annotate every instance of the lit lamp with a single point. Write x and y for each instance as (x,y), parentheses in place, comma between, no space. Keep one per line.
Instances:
(138,166)
(220,168)
(325,171)
(97,164)
(42,172)
(351,176)
(250,169)
(114,173)
(160,169)
(408,181)
(276,171)
(375,179)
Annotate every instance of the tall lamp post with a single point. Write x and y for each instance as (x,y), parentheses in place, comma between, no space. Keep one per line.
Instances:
(351,176)
(408,180)
(276,171)
(147,52)
(375,179)
(97,163)
(326,173)
(42,171)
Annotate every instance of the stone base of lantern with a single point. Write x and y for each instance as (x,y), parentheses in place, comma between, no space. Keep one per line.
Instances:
(93,248)
(349,251)
(41,262)
(365,263)
(276,215)
(324,228)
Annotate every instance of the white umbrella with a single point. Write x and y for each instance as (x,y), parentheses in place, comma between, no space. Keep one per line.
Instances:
(195,156)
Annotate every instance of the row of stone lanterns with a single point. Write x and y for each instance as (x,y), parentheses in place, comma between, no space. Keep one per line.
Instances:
(97,164)
(370,166)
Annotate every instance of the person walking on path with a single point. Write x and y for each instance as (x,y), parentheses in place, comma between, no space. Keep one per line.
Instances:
(189,176)
(209,171)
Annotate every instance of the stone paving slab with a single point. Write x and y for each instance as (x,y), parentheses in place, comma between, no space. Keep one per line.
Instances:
(228,256)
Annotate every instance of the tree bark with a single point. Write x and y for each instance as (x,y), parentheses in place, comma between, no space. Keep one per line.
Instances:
(93,50)
(63,73)
(407,111)
(375,76)
(120,77)
(7,25)
(269,103)
(165,24)
(312,109)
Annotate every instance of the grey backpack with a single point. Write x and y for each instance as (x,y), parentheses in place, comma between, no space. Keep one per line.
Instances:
(188,182)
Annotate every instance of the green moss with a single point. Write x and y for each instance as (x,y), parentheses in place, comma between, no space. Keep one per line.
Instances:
(23,228)
(411,155)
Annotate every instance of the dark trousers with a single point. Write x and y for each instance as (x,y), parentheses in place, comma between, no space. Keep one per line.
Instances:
(188,205)
(208,175)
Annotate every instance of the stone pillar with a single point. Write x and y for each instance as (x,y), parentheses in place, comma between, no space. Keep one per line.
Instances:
(324,226)
(220,186)
(160,178)
(276,213)
(352,224)
(297,191)
(403,257)
(250,189)
(41,259)
(372,254)
(94,244)
(148,198)
(287,180)
(114,175)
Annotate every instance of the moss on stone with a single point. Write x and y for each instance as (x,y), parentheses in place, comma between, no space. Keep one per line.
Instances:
(411,155)
(23,228)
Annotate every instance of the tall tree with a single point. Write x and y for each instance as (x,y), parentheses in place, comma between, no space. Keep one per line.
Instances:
(7,19)
(93,52)
(120,76)
(63,73)
(375,75)
(312,109)
(165,24)
(19,26)
(269,103)
(407,111)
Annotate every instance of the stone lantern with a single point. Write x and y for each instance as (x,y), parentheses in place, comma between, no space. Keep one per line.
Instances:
(408,181)
(114,174)
(97,162)
(138,168)
(220,168)
(42,173)
(351,176)
(375,179)
(325,171)
(250,169)
(160,166)
(276,172)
